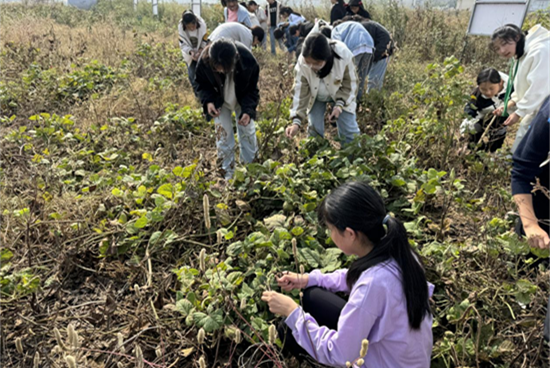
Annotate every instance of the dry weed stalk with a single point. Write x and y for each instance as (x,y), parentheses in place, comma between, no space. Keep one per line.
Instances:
(202,363)
(238,336)
(19,345)
(272,334)
(120,342)
(71,361)
(36,360)
(206,209)
(73,337)
(200,336)
(139,357)
(202,257)
(59,339)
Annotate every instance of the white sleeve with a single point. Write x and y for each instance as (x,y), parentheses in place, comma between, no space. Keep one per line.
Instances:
(538,80)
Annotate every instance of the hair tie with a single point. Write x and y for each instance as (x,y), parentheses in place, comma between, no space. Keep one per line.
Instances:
(385,220)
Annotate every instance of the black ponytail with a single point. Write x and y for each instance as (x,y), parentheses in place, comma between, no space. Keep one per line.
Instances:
(490,75)
(357,206)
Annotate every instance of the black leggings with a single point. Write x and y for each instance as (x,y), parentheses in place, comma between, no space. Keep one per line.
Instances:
(324,306)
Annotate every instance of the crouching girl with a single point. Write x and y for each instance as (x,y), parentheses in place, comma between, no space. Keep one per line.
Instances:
(325,73)
(388,293)
(487,97)
(227,79)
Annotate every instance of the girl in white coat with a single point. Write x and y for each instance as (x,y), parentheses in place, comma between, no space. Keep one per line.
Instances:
(325,73)
(529,73)
(193,37)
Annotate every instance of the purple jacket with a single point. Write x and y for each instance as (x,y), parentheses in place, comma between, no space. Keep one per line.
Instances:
(376,310)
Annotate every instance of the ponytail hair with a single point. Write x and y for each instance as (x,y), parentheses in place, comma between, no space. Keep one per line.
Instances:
(356,205)
(490,75)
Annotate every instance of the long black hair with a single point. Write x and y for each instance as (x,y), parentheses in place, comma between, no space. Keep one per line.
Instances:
(356,205)
(490,75)
(223,53)
(510,33)
(318,47)
(288,10)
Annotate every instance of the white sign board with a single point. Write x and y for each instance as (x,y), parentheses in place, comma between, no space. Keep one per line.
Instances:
(82,4)
(196,7)
(488,15)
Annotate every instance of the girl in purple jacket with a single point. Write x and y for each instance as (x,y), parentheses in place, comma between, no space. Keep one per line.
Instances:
(388,302)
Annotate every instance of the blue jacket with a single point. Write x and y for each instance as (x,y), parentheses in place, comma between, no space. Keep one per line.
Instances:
(354,35)
(243,16)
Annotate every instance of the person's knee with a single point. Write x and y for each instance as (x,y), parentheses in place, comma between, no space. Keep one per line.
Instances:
(308,299)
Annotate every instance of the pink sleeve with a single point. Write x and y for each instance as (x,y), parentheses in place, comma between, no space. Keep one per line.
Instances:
(335,281)
(336,347)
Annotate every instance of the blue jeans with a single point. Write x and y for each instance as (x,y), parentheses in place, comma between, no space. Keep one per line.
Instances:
(274,41)
(291,41)
(191,73)
(346,123)
(363,65)
(225,140)
(377,73)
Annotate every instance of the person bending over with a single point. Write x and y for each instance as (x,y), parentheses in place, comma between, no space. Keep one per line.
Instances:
(239,33)
(227,76)
(193,36)
(325,73)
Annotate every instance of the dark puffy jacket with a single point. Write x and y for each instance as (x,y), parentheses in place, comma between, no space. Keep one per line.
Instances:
(478,103)
(247,72)
(362,12)
(382,38)
(337,12)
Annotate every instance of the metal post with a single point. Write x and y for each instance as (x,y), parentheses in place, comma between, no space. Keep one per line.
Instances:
(196,7)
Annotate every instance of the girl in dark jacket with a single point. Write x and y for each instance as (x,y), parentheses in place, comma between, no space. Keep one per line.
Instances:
(338,10)
(227,79)
(355,7)
(484,100)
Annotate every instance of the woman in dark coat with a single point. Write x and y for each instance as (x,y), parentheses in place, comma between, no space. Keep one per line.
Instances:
(338,10)
(355,7)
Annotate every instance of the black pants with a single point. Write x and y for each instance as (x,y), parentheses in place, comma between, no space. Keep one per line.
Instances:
(324,306)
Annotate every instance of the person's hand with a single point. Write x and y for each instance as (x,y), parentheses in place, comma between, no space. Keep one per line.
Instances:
(292,130)
(536,237)
(279,303)
(245,120)
(512,119)
(499,111)
(195,55)
(212,111)
(336,111)
(291,280)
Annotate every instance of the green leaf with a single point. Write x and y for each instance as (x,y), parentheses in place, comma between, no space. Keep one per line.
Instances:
(297,231)
(178,170)
(166,190)
(310,256)
(117,192)
(5,255)
(141,222)
(184,306)
(211,322)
